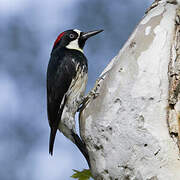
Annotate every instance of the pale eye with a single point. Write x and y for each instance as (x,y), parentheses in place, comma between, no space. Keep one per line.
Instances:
(71,36)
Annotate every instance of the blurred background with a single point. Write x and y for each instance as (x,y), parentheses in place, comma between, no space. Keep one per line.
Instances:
(27,33)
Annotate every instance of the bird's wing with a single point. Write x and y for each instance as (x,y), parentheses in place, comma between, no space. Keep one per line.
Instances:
(59,77)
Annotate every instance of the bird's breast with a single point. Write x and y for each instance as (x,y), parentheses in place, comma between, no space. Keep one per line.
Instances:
(78,86)
(74,99)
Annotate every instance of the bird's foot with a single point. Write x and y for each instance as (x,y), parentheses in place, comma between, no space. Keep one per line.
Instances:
(92,94)
(85,101)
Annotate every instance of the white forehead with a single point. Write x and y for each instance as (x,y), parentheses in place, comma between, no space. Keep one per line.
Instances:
(78,31)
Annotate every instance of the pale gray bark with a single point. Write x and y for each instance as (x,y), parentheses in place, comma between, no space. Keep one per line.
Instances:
(131,127)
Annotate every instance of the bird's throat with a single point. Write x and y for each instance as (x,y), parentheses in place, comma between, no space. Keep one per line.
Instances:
(74,45)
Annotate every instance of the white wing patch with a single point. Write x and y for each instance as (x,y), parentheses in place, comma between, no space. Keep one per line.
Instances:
(62,102)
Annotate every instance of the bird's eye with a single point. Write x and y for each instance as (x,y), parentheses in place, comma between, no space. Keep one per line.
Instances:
(71,36)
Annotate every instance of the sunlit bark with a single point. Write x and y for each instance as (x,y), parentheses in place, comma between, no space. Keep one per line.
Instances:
(131,127)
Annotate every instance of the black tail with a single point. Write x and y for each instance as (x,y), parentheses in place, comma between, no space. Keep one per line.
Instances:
(82,147)
(51,140)
(54,128)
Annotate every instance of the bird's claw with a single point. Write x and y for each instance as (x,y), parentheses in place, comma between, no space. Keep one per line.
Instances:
(86,99)
(83,103)
(92,94)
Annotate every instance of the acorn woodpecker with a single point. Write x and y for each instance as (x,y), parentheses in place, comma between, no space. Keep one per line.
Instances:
(66,83)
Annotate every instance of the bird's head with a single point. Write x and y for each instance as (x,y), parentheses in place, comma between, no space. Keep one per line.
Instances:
(73,39)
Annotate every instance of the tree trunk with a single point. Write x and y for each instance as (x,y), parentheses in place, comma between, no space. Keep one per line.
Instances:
(131,128)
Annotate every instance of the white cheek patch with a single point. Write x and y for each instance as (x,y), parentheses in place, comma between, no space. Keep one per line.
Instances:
(74,44)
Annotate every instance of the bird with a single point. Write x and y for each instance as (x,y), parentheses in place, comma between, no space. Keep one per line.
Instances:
(67,75)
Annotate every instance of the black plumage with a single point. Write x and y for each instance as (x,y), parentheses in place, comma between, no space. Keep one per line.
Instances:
(61,71)
(66,83)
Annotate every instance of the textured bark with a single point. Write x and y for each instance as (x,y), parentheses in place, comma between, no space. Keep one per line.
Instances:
(131,128)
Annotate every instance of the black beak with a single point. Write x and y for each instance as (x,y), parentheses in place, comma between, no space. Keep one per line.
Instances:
(86,35)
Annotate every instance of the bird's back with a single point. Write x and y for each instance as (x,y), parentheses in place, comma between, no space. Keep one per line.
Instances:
(62,73)
(62,69)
